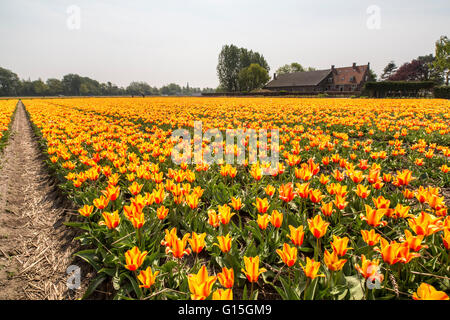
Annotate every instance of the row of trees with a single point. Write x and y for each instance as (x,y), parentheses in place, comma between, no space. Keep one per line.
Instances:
(76,85)
(430,67)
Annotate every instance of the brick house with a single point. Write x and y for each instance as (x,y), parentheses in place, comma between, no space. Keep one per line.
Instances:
(345,79)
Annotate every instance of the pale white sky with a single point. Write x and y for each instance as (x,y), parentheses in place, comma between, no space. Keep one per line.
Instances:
(179,40)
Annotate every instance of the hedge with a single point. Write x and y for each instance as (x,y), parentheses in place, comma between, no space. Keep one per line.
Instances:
(397,88)
(442,92)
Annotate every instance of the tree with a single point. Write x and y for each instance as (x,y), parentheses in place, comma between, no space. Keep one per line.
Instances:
(39,88)
(9,83)
(54,86)
(253,77)
(231,61)
(372,76)
(290,68)
(171,89)
(71,84)
(389,70)
(442,60)
(139,89)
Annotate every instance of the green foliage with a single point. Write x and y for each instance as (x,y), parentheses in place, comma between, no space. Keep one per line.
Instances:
(253,77)
(442,92)
(396,88)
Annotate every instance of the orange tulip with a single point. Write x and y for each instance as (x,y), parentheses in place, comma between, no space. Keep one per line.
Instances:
(134,258)
(425,224)
(302,190)
(111,220)
(223,294)
(147,278)
(236,203)
(262,205)
(340,245)
(373,216)
(178,247)
(197,242)
(369,269)
(269,190)
(403,178)
(263,221)
(390,252)
(252,269)
(226,277)
(296,235)
(200,284)
(317,226)
(327,209)
(224,243)
(86,210)
(370,237)
(446,239)
(286,192)
(192,200)
(413,242)
(362,191)
(311,269)
(213,218)
(162,212)
(276,218)
(315,195)
(288,254)
(332,261)
(101,203)
(340,202)
(428,292)
(135,188)
(112,192)
(225,214)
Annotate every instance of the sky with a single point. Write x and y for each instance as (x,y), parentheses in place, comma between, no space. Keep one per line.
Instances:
(179,41)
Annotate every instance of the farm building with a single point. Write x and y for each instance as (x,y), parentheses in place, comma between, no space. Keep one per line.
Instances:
(345,79)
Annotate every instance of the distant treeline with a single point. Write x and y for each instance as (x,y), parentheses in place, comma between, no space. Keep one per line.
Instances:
(76,85)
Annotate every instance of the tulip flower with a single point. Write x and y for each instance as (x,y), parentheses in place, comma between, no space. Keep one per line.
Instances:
(197,242)
(413,242)
(178,247)
(262,205)
(135,188)
(111,220)
(302,190)
(263,221)
(252,269)
(403,178)
(315,195)
(362,191)
(226,277)
(369,269)
(223,294)
(134,258)
(327,209)
(236,203)
(224,243)
(428,292)
(200,284)
(401,211)
(101,203)
(311,269)
(288,254)
(332,261)
(86,210)
(373,216)
(390,252)
(340,202)
(269,190)
(370,237)
(296,235)
(340,245)
(276,218)
(286,192)
(192,200)
(317,226)
(213,218)
(147,277)
(225,214)
(162,212)
(169,237)
(425,224)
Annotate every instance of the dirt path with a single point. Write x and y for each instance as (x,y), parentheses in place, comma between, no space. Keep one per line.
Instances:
(35,247)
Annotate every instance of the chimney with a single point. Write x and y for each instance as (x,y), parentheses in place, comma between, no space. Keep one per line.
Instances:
(274,76)
(332,68)
(368,65)
(354,65)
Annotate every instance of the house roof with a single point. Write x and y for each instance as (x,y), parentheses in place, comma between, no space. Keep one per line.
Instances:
(341,76)
(307,78)
(349,75)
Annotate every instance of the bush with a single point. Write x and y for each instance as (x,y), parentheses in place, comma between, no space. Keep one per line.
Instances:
(442,92)
(397,88)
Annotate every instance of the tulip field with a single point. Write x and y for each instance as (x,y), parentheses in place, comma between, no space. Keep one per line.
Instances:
(7,108)
(357,207)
